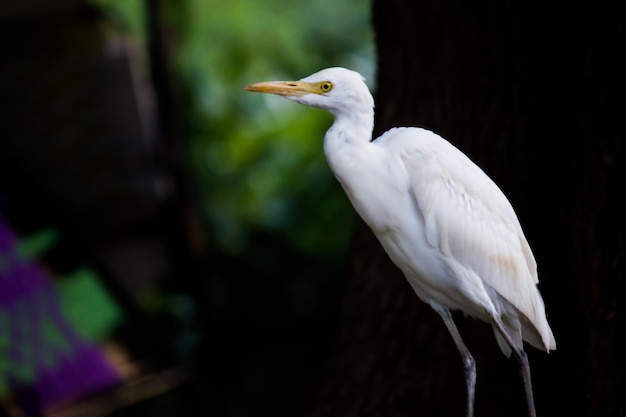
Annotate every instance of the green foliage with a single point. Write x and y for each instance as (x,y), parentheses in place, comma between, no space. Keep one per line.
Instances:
(258,159)
(87,305)
(278,221)
(277,215)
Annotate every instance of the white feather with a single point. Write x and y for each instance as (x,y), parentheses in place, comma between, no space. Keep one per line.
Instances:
(439,217)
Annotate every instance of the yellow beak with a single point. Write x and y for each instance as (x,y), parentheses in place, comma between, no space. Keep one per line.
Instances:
(283,88)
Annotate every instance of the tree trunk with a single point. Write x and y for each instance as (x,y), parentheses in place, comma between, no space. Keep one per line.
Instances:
(533,93)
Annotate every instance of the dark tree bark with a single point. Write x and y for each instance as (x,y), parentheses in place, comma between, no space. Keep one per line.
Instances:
(533,92)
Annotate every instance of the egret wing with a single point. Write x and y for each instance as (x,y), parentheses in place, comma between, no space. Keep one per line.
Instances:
(471,222)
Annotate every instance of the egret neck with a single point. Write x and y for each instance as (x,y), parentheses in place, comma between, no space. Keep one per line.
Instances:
(349,135)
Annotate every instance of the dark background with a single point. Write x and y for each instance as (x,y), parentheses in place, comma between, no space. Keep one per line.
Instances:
(533,92)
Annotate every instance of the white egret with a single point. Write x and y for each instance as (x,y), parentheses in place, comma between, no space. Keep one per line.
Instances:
(439,217)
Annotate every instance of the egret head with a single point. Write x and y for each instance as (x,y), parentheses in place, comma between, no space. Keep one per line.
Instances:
(338,90)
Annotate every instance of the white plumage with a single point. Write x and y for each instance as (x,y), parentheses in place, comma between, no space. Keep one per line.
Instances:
(439,217)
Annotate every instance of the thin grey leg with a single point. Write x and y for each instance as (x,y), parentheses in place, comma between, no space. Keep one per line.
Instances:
(522,363)
(469,365)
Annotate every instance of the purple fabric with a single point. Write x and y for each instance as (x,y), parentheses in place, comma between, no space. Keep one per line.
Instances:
(44,350)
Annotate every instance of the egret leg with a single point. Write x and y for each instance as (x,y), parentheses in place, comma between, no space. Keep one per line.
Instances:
(469,365)
(522,364)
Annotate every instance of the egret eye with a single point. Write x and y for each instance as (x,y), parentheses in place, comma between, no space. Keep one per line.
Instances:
(326,86)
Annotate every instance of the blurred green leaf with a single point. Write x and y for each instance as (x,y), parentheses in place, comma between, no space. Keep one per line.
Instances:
(278,220)
(88,305)
(257,157)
